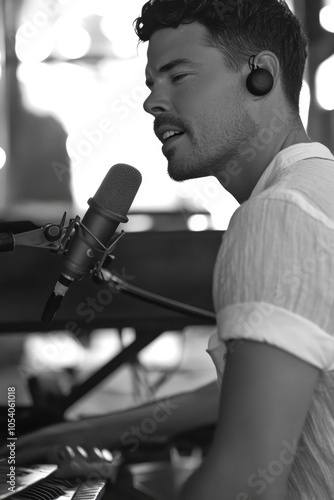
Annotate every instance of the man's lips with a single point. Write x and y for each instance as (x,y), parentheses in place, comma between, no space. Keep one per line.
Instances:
(168,132)
(171,141)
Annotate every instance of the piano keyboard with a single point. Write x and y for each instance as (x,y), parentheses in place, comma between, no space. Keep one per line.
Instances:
(77,476)
(39,482)
(24,477)
(63,489)
(75,479)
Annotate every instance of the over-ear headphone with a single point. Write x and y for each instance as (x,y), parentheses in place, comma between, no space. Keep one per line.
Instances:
(260,81)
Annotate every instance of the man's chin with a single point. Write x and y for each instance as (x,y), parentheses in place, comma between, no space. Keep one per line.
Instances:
(178,173)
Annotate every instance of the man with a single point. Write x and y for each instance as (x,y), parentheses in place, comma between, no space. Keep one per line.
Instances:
(225,80)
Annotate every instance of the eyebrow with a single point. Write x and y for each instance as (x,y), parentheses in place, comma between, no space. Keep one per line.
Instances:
(171,65)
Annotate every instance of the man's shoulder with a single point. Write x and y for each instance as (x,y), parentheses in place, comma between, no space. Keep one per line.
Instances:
(283,209)
(272,201)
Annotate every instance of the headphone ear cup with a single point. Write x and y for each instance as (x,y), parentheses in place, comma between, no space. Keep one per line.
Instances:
(260,82)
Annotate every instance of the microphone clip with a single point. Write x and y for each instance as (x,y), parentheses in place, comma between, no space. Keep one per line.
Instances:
(107,252)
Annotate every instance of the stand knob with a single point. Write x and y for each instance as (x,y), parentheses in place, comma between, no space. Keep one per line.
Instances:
(52,232)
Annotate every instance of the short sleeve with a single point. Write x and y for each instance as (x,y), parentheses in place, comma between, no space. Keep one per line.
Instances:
(274,277)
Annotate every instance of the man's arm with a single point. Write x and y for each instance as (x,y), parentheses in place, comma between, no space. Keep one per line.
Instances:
(125,429)
(266,394)
(171,416)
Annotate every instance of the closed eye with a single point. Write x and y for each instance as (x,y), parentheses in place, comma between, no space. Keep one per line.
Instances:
(177,78)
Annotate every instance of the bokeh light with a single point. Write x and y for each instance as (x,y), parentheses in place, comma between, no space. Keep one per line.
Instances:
(3,158)
(326,17)
(33,48)
(324,80)
(71,40)
(305,102)
(198,222)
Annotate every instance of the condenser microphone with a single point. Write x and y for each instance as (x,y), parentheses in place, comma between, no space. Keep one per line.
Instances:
(108,208)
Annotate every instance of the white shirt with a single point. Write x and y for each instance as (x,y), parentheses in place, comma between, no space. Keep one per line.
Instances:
(274,283)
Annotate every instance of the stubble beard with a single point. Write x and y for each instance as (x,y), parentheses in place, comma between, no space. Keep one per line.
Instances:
(210,155)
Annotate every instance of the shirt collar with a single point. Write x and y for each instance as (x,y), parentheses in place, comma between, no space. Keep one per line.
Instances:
(287,157)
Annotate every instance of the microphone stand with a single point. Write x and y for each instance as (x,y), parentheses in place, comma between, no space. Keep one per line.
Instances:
(116,283)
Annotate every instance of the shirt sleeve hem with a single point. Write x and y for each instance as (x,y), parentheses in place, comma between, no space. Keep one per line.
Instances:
(265,322)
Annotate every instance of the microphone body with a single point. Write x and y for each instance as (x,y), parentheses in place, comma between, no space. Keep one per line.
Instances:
(84,251)
(108,208)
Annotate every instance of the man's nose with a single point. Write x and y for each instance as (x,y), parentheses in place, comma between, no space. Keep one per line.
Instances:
(156,103)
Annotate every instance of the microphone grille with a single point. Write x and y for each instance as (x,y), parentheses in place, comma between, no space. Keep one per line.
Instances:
(118,188)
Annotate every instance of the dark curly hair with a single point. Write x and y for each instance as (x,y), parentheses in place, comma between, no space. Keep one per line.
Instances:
(240,29)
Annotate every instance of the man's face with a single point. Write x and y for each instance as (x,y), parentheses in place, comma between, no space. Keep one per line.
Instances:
(195,93)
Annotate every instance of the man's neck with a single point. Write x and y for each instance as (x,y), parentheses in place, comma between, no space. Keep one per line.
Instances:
(259,156)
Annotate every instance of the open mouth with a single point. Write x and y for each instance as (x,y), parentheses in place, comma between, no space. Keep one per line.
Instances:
(168,136)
